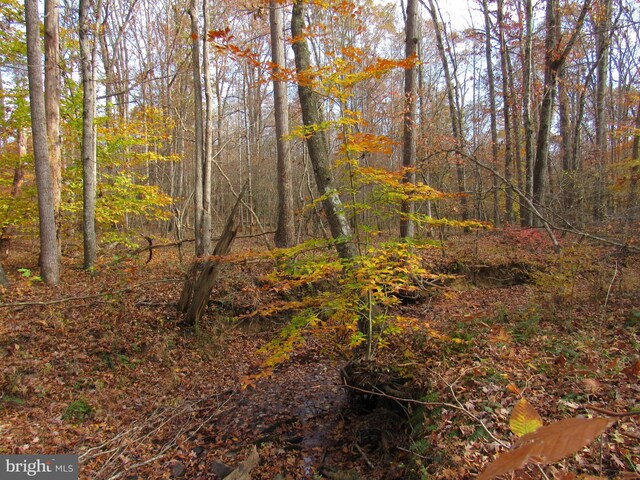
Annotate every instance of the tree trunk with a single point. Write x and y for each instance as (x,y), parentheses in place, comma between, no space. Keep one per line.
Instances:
(208,137)
(554,60)
(199,139)
(285,232)
(527,78)
(52,98)
(603,25)
(4,281)
(506,110)
(89,162)
(634,209)
(49,258)
(492,110)
(407,225)
(311,106)
(454,111)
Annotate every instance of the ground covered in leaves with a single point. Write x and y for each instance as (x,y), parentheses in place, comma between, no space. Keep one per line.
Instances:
(100,366)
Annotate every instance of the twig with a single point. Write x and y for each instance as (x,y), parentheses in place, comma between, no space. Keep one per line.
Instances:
(606,300)
(86,297)
(364,456)
(609,413)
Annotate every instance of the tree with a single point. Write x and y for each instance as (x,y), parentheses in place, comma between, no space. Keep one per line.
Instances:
(89,163)
(409,124)
(312,118)
(603,27)
(49,259)
(199,134)
(555,57)
(52,98)
(285,232)
(492,109)
(454,108)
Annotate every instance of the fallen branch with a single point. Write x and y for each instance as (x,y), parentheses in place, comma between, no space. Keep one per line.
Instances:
(87,297)
(190,240)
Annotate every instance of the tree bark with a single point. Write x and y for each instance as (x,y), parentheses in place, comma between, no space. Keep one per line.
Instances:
(199,135)
(52,98)
(492,110)
(285,232)
(454,110)
(49,258)
(634,209)
(506,111)
(89,161)
(603,25)
(208,137)
(554,60)
(527,78)
(312,117)
(407,225)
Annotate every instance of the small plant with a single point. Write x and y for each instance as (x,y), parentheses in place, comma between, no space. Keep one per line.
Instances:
(26,273)
(78,411)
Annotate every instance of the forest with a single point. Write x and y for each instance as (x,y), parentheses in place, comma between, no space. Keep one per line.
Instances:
(321,239)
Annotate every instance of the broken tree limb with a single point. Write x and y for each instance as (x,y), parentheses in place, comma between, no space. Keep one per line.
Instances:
(195,293)
(243,471)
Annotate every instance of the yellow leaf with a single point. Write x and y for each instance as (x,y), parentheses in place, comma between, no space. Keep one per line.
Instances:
(524,418)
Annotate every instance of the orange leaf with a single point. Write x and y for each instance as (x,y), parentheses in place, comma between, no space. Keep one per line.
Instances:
(548,444)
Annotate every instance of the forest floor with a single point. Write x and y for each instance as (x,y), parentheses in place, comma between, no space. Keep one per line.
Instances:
(100,366)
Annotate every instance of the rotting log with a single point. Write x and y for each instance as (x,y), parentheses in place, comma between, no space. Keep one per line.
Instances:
(195,292)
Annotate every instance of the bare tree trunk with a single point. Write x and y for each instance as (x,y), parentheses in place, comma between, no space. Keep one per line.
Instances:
(311,106)
(49,258)
(52,99)
(527,78)
(603,25)
(492,110)
(208,136)
(454,113)
(89,163)
(568,172)
(506,110)
(634,209)
(554,60)
(4,281)
(285,232)
(407,225)
(199,140)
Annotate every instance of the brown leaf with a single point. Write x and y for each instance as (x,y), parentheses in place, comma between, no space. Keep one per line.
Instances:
(632,371)
(591,384)
(548,444)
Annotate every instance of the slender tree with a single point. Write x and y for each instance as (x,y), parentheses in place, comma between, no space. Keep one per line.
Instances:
(555,57)
(89,161)
(602,26)
(493,115)
(199,140)
(312,117)
(207,157)
(49,258)
(285,232)
(52,97)
(407,225)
